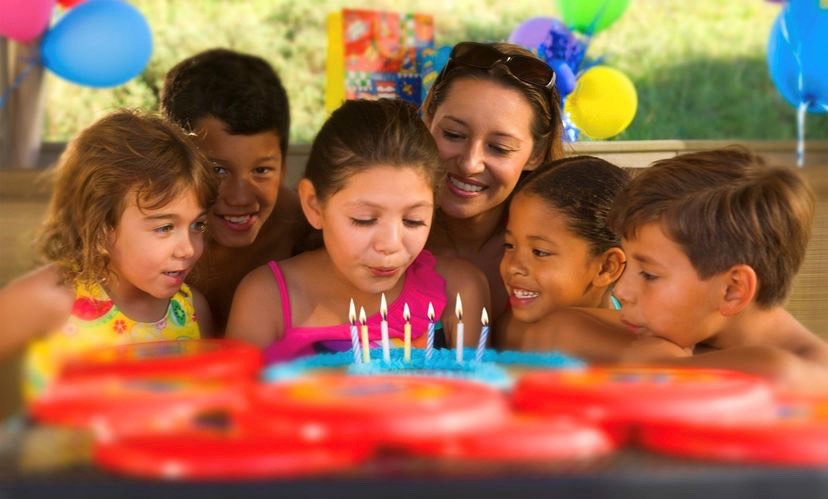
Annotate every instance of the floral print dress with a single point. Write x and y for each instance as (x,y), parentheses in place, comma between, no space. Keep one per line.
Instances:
(95,322)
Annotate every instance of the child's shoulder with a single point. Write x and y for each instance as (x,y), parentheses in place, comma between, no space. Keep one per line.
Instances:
(291,272)
(43,285)
(35,304)
(460,270)
(284,229)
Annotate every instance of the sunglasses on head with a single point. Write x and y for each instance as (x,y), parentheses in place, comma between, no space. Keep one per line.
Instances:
(527,69)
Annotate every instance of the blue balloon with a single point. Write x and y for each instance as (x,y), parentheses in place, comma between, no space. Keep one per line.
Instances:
(798,54)
(98,44)
(564,77)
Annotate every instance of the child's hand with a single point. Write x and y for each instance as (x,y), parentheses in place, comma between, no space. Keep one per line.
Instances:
(653,349)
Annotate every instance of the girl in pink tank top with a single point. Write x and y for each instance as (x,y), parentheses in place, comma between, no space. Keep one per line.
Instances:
(369,187)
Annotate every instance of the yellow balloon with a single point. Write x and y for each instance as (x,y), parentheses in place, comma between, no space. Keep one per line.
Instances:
(603,103)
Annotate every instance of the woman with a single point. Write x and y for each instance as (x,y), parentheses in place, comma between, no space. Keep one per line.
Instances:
(494,113)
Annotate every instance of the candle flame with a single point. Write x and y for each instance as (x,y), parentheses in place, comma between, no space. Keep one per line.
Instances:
(362,319)
(383,308)
(430,312)
(352,313)
(458,308)
(406,313)
(484,317)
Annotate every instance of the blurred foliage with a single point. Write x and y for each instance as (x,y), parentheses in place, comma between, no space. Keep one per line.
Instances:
(699,67)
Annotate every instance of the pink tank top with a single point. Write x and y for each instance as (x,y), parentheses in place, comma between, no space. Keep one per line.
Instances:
(422,284)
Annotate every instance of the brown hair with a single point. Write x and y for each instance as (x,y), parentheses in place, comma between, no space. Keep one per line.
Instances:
(122,152)
(725,207)
(546,126)
(242,90)
(365,133)
(583,189)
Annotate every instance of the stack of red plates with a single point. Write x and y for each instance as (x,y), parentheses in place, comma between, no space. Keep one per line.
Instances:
(522,438)
(219,359)
(623,398)
(387,410)
(222,455)
(797,436)
(115,407)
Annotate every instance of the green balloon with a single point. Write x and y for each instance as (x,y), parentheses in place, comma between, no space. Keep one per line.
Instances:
(591,16)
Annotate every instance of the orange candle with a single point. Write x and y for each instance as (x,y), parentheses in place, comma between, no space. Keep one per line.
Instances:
(366,348)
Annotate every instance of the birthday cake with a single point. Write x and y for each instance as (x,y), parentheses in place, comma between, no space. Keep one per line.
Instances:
(442,363)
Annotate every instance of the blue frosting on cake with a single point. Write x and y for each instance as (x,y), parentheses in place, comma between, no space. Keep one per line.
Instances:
(442,363)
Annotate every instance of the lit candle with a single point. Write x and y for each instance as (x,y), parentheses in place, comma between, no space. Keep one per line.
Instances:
(354,335)
(386,345)
(366,348)
(484,335)
(458,311)
(430,336)
(407,334)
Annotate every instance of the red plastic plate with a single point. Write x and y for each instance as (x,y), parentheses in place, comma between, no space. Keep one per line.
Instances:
(798,436)
(222,359)
(385,409)
(222,456)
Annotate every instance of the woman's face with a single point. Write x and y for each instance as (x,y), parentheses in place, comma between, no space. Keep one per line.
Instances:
(482,130)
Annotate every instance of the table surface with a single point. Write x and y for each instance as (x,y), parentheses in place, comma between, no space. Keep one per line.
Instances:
(47,462)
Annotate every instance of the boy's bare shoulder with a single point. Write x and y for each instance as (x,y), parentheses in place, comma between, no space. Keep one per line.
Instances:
(285,228)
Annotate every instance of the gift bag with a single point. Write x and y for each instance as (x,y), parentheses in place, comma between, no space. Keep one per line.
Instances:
(374,54)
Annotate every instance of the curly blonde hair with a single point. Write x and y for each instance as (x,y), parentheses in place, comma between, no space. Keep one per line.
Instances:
(123,152)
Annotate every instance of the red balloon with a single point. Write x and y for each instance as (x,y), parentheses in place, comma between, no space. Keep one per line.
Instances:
(68,4)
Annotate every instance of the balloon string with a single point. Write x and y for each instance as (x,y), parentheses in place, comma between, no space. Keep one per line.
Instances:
(30,63)
(800,133)
(800,83)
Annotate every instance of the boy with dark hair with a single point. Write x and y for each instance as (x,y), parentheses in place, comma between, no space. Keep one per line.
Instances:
(237,107)
(713,241)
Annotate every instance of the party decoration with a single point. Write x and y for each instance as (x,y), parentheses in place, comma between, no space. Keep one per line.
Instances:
(570,131)
(374,54)
(798,55)
(564,77)
(603,103)
(532,32)
(68,4)
(591,16)
(560,44)
(24,20)
(98,44)
(432,61)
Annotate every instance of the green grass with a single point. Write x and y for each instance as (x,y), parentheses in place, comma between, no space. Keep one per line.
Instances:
(699,67)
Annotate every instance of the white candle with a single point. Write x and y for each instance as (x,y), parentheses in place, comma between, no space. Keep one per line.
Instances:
(458,311)
(354,333)
(386,345)
(407,334)
(484,335)
(430,336)
(366,348)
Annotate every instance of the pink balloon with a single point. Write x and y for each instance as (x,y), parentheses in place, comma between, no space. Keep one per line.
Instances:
(24,20)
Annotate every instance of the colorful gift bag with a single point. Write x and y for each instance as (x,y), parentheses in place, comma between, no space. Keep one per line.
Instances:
(374,54)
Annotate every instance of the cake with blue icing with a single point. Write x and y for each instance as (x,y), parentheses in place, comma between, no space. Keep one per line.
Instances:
(443,363)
